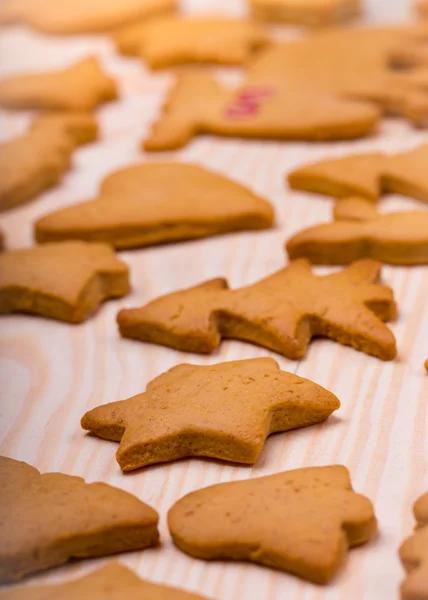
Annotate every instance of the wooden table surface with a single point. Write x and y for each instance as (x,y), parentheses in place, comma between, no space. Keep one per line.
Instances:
(51,373)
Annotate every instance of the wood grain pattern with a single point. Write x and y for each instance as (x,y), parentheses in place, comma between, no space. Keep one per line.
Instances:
(51,373)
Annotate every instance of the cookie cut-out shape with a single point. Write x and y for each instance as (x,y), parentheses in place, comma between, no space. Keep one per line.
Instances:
(282,312)
(367,76)
(367,175)
(112,582)
(66,281)
(255,110)
(45,520)
(156,203)
(301,521)
(414,556)
(176,40)
(80,87)
(224,411)
(290,94)
(80,16)
(305,12)
(399,238)
(36,161)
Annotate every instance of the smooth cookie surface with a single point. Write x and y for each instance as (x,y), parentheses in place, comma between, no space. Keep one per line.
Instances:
(300,521)
(224,411)
(282,312)
(152,204)
(80,87)
(65,281)
(361,232)
(45,520)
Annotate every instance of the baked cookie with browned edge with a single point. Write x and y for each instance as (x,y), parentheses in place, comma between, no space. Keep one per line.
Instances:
(156,203)
(301,521)
(82,87)
(282,312)
(65,281)
(80,16)
(224,411)
(177,40)
(36,161)
(46,520)
(360,231)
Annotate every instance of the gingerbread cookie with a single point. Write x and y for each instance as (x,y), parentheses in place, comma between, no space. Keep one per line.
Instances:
(177,40)
(367,175)
(65,281)
(399,238)
(80,16)
(290,94)
(414,556)
(272,110)
(422,8)
(45,520)
(80,87)
(35,162)
(305,12)
(223,411)
(113,582)
(301,521)
(156,203)
(282,312)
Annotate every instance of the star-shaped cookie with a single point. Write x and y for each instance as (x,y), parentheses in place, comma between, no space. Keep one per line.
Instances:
(224,411)
(289,93)
(367,175)
(45,520)
(282,312)
(80,87)
(156,203)
(301,521)
(305,12)
(65,281)
(414,556)
(34,162)
(80,16)
(360,231)
(112,582)
(175,40)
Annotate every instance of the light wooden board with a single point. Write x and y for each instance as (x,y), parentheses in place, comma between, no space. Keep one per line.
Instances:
(51,373)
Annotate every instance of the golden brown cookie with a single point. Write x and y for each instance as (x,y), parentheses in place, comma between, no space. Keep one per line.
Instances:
(66,281)
(289,93)
(175,40)
(112,582)
(422,7)
(272,110)
(367,175)
(223,411)
(36,161)
(355,175)
(156,203)
(301,521)
(399,238)
(366,76)
(282,312)
(305,12)
(45,520)
(80,16)
(414,556)
(426,365)
(80,87)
